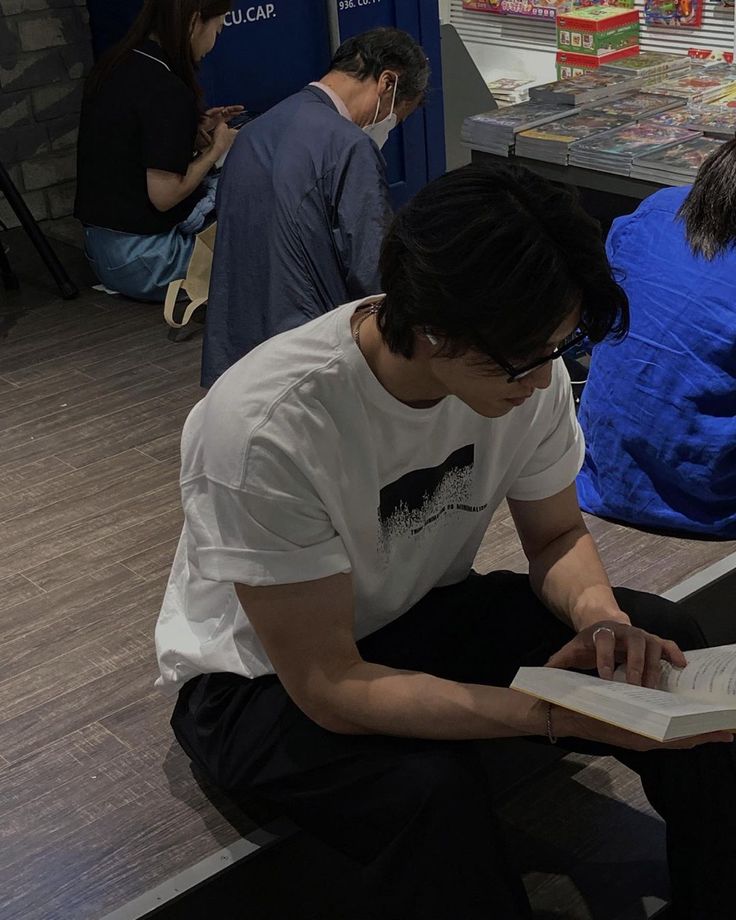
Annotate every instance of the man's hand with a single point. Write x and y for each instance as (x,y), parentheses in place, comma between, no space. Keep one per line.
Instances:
(602,645)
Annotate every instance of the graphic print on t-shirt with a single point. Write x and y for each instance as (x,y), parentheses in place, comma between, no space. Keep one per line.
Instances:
(421,498)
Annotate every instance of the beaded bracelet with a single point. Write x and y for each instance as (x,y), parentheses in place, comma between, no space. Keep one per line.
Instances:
(551,737)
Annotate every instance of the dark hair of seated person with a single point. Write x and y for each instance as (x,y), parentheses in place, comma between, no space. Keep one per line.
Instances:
(371,53)
(709,211)
(494,259)
(171,22)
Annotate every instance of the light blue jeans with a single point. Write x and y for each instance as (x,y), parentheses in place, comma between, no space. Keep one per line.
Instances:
(140,267)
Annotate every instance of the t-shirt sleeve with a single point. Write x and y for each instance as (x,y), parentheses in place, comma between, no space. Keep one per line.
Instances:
(620,228)
(362,215)
(168,121)
(257,537)
(557,459)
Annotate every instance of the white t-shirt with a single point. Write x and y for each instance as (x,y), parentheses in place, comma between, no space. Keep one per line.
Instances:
(299,465)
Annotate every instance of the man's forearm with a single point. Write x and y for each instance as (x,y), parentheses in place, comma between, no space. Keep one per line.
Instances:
(373,699)
(569,578)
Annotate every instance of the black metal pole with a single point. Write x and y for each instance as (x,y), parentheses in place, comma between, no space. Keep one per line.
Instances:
(10,279)
(66,286)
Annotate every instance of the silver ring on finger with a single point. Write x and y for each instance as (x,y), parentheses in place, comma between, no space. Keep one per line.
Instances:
(603,629)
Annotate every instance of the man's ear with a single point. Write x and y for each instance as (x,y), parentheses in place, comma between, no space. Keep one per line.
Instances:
(425,343)
(386,82)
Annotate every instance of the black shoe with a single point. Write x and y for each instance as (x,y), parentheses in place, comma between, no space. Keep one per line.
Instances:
(192,328)
(184,333)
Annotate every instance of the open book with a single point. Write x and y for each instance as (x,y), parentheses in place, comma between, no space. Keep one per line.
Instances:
(698,698)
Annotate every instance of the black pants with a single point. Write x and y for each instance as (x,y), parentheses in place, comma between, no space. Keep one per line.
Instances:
(418,814)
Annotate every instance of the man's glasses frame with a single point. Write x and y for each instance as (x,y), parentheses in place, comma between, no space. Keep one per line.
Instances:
(516,373)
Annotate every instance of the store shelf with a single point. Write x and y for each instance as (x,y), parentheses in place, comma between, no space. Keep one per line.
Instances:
(521,33)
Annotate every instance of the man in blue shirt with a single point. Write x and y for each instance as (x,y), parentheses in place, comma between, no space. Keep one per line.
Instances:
(303,199)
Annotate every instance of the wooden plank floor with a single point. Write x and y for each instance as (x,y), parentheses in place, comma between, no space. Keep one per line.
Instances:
(97,803)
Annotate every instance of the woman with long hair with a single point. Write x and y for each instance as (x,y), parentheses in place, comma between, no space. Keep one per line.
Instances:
(146,147)
(659,408)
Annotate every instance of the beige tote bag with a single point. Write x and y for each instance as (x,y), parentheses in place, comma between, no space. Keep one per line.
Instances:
(197,282)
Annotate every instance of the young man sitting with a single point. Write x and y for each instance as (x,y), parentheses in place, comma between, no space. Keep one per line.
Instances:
(332,649)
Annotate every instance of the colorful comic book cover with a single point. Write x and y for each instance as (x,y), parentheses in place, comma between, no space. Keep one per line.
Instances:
(699,86)
(679,118)
(508,85)
(587,86)
(708,56)
(686,14)
(721,122)
(633,140)
(572,129)
(726,101)
(687,156)
(649,62)
(522,114)
(638,104)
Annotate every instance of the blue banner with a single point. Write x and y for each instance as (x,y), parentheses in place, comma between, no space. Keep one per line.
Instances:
(266,51)
(415,153)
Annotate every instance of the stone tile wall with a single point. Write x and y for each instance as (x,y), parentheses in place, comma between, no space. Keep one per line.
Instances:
(45,53)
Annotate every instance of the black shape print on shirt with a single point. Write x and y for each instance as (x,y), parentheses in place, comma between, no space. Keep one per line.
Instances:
(420,498)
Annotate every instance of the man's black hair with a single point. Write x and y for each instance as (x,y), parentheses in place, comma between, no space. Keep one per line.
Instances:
(370,53)
(709,211)
(495,259)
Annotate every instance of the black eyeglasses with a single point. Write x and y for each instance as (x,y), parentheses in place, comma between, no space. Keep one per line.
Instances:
(516,373)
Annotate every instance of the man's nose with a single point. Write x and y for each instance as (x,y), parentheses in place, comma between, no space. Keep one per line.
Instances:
(541,377)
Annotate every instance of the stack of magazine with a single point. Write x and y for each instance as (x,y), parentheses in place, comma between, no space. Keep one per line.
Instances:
(695,87)
(650,66)
(510,90)
(495,131)
(587,88)
(551,142)
(614,151)
(713,121)
(676,165)
(636,105)
(679,118)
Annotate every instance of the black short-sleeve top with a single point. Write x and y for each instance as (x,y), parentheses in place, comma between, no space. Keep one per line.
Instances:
(142,117)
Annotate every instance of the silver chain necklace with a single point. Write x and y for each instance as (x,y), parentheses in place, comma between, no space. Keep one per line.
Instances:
(370,311)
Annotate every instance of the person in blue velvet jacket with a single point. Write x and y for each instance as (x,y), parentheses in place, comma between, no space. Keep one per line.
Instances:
(659,408)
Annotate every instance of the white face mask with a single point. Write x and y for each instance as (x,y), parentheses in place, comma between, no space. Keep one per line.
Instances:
(379,131)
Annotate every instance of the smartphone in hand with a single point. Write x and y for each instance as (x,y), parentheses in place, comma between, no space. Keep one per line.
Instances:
(238,121)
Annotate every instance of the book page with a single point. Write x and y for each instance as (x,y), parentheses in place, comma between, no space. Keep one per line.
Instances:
(710,675)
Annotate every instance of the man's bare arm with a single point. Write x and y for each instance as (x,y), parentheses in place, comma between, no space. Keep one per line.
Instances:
(565,569)
(307,632)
